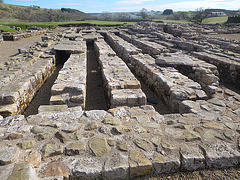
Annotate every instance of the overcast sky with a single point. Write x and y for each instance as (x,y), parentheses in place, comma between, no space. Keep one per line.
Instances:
(95,6)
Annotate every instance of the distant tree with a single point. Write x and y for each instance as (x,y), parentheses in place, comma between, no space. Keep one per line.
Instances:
(1,1)
(122,16)
(199,15)
(144,13)
(167,12)
(106,16)
(181,16)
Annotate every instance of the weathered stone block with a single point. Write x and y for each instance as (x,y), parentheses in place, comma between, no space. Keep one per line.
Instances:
(139,164)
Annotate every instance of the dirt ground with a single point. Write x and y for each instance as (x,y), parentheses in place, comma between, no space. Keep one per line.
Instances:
(227,36)
(10,48)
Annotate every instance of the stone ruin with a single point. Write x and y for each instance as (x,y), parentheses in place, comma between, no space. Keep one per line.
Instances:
(189,71)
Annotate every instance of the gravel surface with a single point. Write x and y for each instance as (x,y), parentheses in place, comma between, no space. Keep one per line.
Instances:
(10,48)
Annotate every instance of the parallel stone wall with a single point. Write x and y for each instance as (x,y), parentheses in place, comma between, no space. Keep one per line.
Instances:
(123,89)
(167,81)
(229,71)
(19,91)
(70,85)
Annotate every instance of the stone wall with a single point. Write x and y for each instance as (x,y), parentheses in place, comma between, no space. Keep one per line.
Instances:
(122,88)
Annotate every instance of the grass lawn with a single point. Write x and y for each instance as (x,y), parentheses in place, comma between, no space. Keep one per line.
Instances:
(26,25)
(8,29)
(215,20)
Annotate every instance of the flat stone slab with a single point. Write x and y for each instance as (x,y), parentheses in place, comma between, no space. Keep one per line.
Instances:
(175,61)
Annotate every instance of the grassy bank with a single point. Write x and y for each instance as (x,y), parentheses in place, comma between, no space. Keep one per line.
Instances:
(6,28)
(215,20)
(26,25)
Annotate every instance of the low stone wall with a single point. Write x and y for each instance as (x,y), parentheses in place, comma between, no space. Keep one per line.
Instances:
(167,81)
(20,35)
(70,85)
(229,71)
(122,88)
(19,91)
(200,71)
(147,47)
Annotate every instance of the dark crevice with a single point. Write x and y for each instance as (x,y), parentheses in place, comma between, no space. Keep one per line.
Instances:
(95,97)
(43,95)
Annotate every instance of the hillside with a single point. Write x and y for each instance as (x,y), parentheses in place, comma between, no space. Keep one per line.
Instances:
(9,12)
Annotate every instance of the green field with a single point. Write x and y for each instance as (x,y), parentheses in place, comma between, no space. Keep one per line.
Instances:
(215,20)
(26,25)
(6,28)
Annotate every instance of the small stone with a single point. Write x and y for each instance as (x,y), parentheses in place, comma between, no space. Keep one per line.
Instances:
(13,136)
(198,129)
(8,155)
(192,158)
(116,167)
(71,128)
(5,171)
(139,164)
(213,125)
(165,164)
(156,140)
(143,144)
(158,149)
(109,119)
(75,148)
(190,136)
(170,122)
(96,114)
(231,125)
(91,126)
(56,169)
(77,135)
(87,168)
(211,135)
(27,144)
(61,136)
(99,146)
(229,134)
(217,102)
(220,155)
(122,146)
(23,171)
(120,130)
(43,133)
(33,158)
(111,142)
(51,149)
(180,126)
(168,146)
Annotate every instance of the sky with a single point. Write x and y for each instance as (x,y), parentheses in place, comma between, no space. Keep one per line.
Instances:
(98,6)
